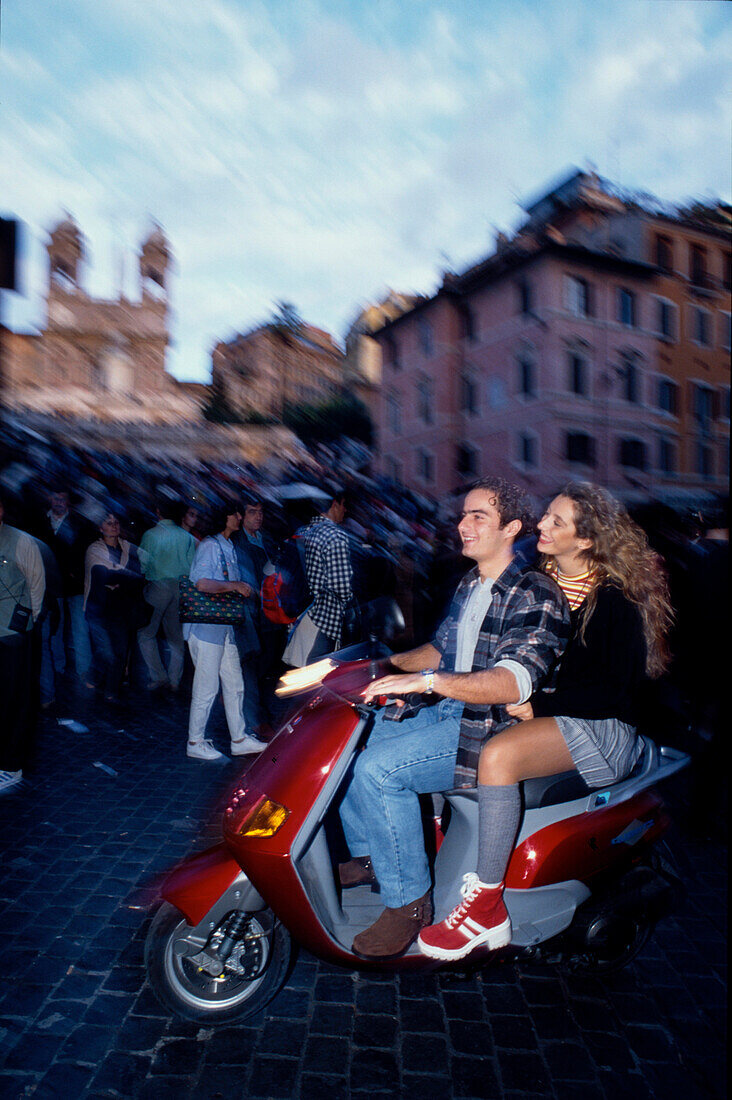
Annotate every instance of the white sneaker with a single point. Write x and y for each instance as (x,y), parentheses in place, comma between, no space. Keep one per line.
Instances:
(11,779)
(203,750)
(247,745)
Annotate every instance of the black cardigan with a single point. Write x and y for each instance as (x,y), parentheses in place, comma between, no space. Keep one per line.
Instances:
(600,677)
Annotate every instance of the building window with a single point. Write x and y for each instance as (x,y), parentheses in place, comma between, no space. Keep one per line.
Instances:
(665,319)
(578,375)
(424,331)
(664,254)
(704,459)
(391,350)
(724,411)
(425,403)
(725,330)
(393,414)
(580,448)
(425,466)
(632,454)
(526,378)
(466,460)
(698,265)
(468,395)
(468,325)
(703,404)
(626,307)
(528,450)
(577,296)
(667,456)
(525,297)
(701,327)
(668,396)
(630,377)
(727,270)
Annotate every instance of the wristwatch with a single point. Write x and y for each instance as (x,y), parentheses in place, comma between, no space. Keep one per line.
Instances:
(429,677)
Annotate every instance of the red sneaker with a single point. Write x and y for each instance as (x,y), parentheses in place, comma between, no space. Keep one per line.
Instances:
(481,918)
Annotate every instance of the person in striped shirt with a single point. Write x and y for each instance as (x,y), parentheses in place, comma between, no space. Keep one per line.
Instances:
(618,596)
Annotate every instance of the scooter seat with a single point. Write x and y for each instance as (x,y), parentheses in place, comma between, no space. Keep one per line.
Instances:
(548,790)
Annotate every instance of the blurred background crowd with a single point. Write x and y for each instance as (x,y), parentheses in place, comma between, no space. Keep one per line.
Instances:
(401,545)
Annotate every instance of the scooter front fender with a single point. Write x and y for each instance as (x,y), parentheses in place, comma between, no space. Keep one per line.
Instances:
(210,882)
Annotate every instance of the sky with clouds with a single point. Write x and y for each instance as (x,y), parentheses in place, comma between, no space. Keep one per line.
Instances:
(321,151)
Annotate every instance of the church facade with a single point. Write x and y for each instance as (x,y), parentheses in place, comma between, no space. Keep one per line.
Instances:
(97,359)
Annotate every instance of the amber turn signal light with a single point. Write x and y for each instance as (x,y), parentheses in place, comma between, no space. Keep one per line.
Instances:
(265,819)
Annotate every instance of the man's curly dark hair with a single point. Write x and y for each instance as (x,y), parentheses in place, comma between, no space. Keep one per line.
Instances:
(510,502)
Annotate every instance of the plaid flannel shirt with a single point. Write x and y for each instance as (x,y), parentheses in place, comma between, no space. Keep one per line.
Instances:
(329,573)
(527,621)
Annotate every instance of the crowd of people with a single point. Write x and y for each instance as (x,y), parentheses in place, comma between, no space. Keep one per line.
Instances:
(94,547)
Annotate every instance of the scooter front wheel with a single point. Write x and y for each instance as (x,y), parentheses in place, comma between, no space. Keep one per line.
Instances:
(254,973)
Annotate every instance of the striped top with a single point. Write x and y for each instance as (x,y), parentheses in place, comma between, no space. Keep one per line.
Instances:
(575,588)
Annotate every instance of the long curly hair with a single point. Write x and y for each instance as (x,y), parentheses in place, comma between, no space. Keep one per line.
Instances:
(620,553)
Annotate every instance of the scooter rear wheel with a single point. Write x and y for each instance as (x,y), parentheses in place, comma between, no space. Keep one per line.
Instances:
(189,991)
(626,941)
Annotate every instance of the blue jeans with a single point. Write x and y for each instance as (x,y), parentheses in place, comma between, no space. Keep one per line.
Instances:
(381,813)
(110,640)
(53,659)
(80,636)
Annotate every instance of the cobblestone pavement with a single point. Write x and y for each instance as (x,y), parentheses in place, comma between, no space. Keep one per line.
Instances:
(77,1018)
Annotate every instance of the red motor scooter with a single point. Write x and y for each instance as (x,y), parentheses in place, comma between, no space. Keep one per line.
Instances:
(585,884)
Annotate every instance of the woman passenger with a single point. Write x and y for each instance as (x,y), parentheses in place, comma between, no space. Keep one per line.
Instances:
(621,615)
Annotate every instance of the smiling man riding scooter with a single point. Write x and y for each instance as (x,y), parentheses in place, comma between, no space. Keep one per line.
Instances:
(506,627)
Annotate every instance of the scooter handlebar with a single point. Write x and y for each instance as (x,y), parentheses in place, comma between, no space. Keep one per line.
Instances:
(348,680)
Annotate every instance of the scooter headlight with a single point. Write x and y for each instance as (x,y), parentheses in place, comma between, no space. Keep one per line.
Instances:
(265,818)
(300,679)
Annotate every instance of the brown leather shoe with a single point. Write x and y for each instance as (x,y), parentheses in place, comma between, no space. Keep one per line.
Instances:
(357,872)
(394,931)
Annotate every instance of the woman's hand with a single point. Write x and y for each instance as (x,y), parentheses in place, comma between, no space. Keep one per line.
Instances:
(403,684)
(523,711)
(242,588)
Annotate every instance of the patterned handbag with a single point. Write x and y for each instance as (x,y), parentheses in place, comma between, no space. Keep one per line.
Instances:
(217,608)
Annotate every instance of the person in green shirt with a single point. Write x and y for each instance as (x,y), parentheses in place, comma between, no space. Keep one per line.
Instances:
(166,554)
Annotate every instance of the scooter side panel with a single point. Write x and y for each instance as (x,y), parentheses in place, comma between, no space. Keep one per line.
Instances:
(292,771)
(196,885)
(583,846)
(538,914)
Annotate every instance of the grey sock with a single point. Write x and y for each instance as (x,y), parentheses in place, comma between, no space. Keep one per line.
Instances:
(499,813)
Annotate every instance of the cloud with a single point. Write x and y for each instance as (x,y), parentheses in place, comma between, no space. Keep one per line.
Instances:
(319,152)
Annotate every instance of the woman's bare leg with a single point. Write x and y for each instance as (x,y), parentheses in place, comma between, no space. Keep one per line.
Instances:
(526,750)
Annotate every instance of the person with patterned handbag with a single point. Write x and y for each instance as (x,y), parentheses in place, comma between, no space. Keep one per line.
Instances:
(209,619)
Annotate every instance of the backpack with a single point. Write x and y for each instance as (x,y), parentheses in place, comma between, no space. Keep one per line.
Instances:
(285,593)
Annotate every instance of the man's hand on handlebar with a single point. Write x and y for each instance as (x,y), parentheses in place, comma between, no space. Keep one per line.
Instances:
(403,684)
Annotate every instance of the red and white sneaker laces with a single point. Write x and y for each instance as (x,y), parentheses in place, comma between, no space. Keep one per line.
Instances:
(481,919)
